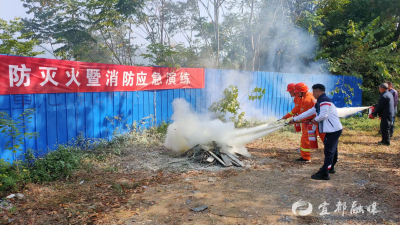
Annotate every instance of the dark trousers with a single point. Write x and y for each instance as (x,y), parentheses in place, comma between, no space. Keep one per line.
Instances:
(330,150)
(385,128)
(392,127)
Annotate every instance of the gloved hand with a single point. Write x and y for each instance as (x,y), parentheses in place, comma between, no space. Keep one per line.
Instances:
(371,116)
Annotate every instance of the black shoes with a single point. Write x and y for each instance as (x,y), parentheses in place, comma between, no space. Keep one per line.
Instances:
(302,160)
(332,171)
(382,143)
(321,176)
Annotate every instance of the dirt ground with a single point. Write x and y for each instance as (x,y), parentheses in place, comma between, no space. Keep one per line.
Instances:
(151,186)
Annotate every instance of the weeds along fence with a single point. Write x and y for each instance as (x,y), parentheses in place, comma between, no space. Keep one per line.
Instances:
(60,118)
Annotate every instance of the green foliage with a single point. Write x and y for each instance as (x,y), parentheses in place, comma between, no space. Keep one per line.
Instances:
(368,52)
(62,162)
(12,177)
(57,164)
(12,42)
(358,38)
(257,94)
(16,129)
(230,105)
(93,30)
(361,123)
(370,96)
(161,55)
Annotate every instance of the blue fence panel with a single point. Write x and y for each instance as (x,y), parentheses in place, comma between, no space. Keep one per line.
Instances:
(89,124)
(110,115)
(51,117)
(62,122)
(29,103)
(70,99)
(164,105)
(103,114)
(97,115)
(123,112)
(41,121)
(5,106)
(16,104)
(80,113)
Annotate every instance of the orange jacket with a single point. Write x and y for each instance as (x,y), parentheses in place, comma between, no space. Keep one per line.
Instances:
(296,109)
(307,102)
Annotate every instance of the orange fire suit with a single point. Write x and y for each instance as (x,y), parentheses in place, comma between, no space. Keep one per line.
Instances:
(296,109)
(304,103)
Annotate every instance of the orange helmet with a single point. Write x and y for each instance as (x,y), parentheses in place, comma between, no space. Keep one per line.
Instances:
(290,87)
(300,87)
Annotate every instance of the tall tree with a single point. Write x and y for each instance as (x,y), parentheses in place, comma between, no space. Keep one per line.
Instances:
(80,29)
(12,42)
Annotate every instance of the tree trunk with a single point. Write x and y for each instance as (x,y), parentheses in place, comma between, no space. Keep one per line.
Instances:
(397,34)
(162,22)
(252,35)
(216,28)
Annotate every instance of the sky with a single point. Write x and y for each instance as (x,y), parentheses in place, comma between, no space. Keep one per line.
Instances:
(9,9)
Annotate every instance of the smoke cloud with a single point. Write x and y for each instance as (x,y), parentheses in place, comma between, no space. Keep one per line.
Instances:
(345,112)
(190,129)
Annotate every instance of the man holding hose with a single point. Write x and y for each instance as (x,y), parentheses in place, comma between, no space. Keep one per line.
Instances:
(328,122)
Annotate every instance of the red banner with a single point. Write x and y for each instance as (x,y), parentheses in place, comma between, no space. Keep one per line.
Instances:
(26,75)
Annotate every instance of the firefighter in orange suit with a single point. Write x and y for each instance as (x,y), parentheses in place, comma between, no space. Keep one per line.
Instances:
(307,101)
(297,101)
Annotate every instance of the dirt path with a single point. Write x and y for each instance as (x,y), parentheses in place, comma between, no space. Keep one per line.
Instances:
(151,187)
(265,191)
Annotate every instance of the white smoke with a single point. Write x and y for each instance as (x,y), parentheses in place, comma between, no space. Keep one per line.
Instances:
(190,129)
(345,112)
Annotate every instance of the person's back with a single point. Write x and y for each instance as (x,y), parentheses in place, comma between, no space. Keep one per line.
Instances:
(395,98)
(386,107)
(395,101)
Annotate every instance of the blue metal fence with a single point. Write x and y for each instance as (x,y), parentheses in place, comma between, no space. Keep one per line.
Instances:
(60,118)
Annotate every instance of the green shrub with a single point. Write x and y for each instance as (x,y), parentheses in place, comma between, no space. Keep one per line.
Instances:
(12,177)
(57,164)
(62,162)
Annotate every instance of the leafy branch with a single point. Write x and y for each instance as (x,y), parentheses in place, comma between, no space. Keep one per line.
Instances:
(231,104)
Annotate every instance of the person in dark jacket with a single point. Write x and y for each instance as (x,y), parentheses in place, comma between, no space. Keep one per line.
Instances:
(395,99)
(385,109)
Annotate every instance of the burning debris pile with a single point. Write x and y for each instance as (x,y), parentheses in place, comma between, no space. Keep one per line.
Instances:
(215,141)
(212,155)
(212,139)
